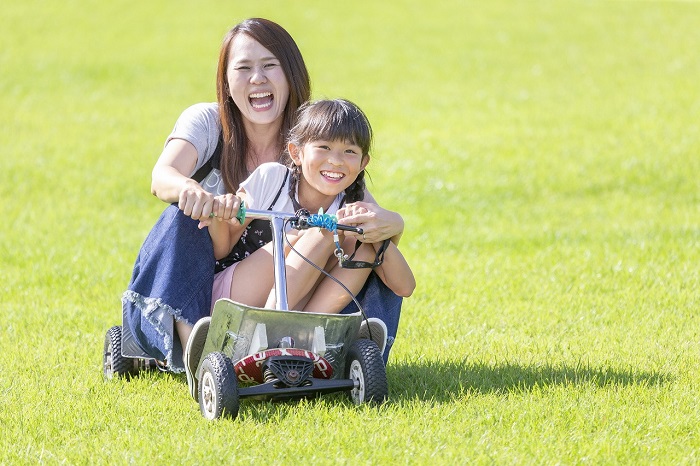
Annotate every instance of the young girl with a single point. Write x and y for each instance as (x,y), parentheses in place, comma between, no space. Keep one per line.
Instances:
(329,147)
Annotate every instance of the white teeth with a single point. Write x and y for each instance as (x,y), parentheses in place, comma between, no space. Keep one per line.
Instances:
(260,95)
(335,176)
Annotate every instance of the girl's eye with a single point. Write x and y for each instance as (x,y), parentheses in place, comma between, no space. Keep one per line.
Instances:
(242,68)
(271,65)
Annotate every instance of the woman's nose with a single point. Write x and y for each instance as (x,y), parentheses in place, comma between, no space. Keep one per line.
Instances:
(258,76)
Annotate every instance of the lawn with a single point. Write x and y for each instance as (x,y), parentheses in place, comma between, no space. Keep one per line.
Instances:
(545,156)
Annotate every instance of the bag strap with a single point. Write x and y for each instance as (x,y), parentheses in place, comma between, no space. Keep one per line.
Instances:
(284,182)
(213,162)
(349,263)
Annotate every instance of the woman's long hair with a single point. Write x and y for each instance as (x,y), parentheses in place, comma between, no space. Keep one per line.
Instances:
(277,40)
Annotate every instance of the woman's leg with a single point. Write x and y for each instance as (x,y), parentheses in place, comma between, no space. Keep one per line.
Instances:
(170,288)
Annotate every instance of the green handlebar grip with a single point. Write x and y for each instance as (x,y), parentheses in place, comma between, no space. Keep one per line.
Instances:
(241,213)
(240,216)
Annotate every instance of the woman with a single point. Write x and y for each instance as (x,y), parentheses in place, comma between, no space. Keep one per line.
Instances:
(261,81)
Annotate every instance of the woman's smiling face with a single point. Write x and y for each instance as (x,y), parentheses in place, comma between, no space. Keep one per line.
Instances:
(256,82)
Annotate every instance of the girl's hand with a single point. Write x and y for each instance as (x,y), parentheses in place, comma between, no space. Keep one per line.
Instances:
(225,208)
(377,223)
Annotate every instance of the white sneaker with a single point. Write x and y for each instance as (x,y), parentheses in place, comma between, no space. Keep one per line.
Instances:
(193,352)
(374,329)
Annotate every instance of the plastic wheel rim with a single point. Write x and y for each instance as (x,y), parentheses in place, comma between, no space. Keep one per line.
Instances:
(357,376)
(208,395)
(107,364)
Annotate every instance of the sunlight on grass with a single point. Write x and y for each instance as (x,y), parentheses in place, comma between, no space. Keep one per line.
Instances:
(544,156)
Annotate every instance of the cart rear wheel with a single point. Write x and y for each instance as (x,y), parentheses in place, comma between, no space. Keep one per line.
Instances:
(113,363)
(218,387)
(365,367)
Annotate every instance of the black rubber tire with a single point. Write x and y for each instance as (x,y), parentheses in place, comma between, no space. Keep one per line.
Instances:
(218,387)
(113,363)
(366,366)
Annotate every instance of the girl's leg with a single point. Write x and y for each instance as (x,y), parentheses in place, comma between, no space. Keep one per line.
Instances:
(317,246)
(253,277)
(331,298)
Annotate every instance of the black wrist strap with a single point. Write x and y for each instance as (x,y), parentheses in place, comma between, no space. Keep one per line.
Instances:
(348,263)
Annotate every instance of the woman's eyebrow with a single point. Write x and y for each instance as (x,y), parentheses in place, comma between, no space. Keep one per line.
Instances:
(249,60)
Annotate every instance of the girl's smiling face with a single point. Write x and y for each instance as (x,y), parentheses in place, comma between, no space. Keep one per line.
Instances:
(256,82)
(328,168)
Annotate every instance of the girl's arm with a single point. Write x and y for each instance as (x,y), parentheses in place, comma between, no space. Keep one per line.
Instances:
(170,183)
(224,228)
(395,271)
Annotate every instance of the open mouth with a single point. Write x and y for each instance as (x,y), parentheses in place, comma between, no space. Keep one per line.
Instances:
(333,175)
(261,100)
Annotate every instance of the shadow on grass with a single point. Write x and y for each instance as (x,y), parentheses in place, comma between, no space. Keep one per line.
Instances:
(442,380)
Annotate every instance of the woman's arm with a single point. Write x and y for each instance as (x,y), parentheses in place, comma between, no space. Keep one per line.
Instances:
(170,183)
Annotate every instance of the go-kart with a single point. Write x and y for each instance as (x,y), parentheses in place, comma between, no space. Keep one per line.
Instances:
(276,354)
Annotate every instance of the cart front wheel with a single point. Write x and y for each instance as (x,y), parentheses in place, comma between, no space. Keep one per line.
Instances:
(218,387)
(366,368)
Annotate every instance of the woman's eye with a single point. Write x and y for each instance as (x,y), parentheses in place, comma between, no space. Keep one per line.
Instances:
(271,65)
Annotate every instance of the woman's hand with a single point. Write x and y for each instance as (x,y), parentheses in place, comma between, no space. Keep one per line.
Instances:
(377,223)
(195,202)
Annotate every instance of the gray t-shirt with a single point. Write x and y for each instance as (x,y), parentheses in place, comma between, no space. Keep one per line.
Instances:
(200,126)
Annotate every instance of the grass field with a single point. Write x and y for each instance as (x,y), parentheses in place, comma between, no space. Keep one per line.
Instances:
(545,156)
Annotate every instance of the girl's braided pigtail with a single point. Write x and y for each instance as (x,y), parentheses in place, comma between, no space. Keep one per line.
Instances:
(356,191)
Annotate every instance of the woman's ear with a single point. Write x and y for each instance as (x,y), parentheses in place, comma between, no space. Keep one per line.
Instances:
(294,153)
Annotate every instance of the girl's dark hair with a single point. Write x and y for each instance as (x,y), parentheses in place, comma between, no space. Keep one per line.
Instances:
(333,120)
(277,40)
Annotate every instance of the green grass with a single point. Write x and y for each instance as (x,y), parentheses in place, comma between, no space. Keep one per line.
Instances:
(544,155)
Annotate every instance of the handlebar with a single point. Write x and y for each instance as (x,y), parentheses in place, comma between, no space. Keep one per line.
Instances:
(302,220)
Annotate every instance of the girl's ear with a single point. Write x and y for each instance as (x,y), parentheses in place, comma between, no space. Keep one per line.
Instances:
(365,161)
(294,153)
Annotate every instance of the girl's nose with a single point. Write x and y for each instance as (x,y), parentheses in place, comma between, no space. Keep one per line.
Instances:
(335,159)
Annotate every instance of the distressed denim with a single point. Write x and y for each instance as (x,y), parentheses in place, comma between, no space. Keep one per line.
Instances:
(172,281)
(173,278)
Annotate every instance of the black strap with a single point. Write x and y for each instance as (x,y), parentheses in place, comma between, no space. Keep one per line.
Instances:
(348,263)
(214,162)
(280,191)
